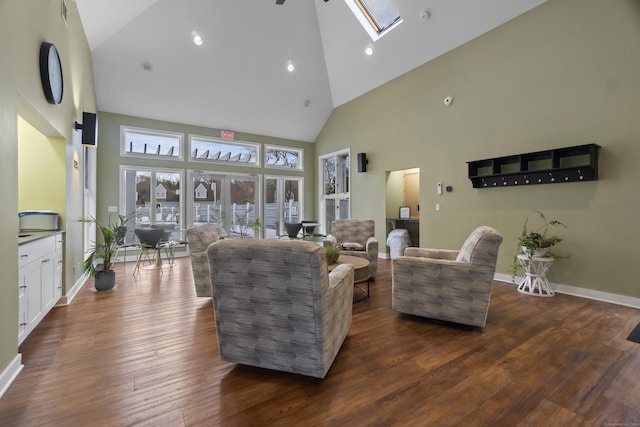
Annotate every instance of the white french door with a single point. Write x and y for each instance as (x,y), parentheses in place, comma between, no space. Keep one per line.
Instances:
(232,200)
(151,198)
(334,191)
(283,203)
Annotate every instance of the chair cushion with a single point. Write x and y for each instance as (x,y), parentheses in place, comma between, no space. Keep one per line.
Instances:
(352,246)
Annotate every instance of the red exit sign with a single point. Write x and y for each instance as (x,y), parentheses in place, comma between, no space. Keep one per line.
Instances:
(226,134)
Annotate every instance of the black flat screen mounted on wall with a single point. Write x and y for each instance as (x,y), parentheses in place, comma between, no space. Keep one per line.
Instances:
(89,129)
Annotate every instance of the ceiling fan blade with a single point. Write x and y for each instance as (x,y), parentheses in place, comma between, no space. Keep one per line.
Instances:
(279,1)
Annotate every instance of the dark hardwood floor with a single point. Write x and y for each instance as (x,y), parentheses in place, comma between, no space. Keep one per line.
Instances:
(146,354)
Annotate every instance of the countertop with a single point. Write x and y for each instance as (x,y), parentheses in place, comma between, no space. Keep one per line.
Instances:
(30,236)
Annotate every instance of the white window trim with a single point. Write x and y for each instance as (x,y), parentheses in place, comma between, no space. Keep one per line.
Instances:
(122,189)
(152,132)
(280,179)
(256,145)
(337,196)
(268,147)
(366,24)
(191,173)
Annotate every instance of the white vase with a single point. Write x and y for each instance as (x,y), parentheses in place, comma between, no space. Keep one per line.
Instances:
(541,252)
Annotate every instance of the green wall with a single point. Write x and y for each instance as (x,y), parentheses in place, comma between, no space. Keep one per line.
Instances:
(563,74)
(41,171)
(109,159)
(24,25)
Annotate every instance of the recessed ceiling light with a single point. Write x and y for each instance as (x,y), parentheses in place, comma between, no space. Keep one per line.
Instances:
(290,67)
(368,50)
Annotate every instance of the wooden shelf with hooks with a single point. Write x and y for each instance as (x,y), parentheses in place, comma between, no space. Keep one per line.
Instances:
(569,164)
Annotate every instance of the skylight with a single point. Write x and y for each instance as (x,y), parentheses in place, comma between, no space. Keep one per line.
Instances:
(377,17)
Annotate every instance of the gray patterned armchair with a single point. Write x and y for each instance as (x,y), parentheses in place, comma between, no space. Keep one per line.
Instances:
(447,284)
(199,238)
(361,232)
(277,306)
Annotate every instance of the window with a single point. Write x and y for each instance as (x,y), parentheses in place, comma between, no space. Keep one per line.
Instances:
(150,143)
(231,200)
(334,193)
(283,157)
(213,150)
(376,16)
(152,199)
(283,203)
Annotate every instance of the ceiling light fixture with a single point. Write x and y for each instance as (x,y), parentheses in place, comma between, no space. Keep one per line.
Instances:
(290,67)
(197,38)
(368,50)
(147,66)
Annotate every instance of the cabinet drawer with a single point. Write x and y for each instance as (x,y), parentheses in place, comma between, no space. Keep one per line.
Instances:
(31,251)
(59,241)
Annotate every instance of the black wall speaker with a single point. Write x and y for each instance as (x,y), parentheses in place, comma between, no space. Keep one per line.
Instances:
(89,129)
(362,162)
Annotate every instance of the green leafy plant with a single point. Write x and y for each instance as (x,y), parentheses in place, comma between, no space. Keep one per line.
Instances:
(536,242)
(333,253)
(108,246)
(243,223)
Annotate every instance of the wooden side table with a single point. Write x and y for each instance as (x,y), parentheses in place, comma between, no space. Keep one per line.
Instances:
(535,276)
(360,274)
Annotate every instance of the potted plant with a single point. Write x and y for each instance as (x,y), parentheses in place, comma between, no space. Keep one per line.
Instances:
(333,253)
(537,242)
(106,249)
(243,224)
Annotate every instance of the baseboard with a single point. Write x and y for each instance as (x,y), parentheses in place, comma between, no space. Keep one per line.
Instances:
(10,373)
(579,292)
(66,299)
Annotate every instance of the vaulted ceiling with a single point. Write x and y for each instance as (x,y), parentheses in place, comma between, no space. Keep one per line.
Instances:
(146,63)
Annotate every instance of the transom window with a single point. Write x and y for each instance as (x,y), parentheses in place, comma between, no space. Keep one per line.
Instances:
(150,143)
(214,150)
(376,16)
(282,157)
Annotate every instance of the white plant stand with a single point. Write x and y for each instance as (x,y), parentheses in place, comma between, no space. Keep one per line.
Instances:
(535,275)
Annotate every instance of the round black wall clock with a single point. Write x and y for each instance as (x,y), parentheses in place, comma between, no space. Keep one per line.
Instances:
(51,73)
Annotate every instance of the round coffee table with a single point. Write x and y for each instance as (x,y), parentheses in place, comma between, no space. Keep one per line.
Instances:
(361,274)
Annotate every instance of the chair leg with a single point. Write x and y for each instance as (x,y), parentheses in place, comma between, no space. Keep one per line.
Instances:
(144,253)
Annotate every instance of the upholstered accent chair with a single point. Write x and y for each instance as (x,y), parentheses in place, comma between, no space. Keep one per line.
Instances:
(356,237)
(199,238)
(277,306)
(450,285)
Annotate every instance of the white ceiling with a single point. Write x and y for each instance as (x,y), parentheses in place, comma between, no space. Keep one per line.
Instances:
(237,79)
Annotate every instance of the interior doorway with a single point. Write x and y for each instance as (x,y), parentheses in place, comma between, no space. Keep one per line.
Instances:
(403,191)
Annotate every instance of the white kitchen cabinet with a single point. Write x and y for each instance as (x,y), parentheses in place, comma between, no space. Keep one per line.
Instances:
(58,263)
(40,281)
